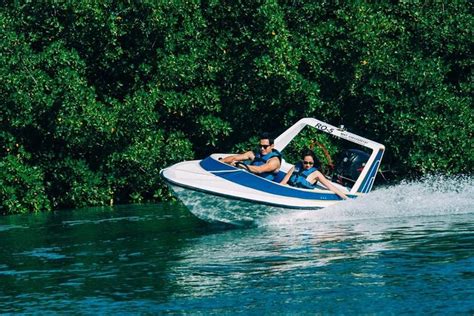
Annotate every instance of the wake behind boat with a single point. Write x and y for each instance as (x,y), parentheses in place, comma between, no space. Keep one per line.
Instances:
(218,192)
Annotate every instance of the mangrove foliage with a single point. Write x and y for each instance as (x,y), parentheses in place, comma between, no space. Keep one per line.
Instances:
(98,96)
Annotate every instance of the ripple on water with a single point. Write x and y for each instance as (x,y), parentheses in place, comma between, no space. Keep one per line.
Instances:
(4,228)
(387,252)
(51,253)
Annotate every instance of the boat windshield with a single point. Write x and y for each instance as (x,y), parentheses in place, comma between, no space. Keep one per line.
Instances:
(341,161)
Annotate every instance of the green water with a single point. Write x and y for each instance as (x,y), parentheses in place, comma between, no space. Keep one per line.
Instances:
(91,255)
(380,255)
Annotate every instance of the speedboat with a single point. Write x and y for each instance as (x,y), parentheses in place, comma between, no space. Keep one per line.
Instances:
(218,192)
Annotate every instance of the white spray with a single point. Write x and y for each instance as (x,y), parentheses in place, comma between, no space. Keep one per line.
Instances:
(430,196)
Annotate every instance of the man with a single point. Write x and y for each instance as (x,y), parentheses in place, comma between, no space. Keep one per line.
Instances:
(266,160)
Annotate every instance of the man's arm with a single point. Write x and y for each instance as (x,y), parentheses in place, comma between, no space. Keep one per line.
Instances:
(272,165)
(249,155)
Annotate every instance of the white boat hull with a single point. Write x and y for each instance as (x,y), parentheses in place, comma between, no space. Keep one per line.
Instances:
(223,209)
(216,199)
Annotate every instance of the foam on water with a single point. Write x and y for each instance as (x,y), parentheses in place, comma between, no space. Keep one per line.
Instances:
(430,196)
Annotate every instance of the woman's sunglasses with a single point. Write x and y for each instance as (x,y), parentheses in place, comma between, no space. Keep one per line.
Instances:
(308,163)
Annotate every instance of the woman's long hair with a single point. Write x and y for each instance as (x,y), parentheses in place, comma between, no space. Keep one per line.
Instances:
(309,152)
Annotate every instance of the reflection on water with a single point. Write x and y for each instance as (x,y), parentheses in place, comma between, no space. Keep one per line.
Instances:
(325,264)
(413,261)
(380,254)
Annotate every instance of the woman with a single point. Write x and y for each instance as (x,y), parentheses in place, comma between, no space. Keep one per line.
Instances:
(305,175)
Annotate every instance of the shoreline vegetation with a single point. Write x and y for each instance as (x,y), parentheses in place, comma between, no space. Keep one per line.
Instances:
(97,97)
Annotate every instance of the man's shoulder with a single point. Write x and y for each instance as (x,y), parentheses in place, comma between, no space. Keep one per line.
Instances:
(275,158)
(276,154)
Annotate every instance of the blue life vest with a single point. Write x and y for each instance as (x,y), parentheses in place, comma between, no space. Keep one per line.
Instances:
(298,178)
(261,160)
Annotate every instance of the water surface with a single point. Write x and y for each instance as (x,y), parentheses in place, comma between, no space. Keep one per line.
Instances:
(403,249)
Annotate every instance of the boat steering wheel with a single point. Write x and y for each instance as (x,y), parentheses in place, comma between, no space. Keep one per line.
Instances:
(241,165)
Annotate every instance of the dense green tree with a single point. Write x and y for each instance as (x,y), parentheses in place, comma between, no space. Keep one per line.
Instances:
(97,97)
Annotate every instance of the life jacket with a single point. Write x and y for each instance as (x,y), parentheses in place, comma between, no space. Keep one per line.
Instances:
(298,178)
(261,160)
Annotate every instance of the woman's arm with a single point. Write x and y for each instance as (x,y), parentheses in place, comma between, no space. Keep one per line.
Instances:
(317,175)
(287,176)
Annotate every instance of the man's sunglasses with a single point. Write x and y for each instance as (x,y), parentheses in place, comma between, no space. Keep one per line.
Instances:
(263,146)
(308,163)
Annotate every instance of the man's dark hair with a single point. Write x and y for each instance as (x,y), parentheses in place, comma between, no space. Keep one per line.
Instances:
(266,135)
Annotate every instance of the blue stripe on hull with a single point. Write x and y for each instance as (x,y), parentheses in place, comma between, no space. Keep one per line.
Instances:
(369,179)
(252,181)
